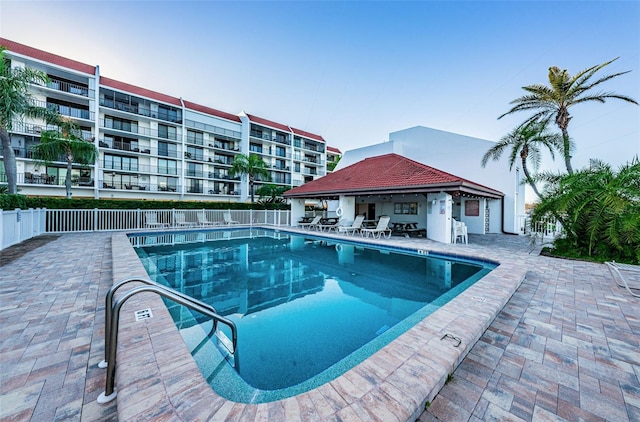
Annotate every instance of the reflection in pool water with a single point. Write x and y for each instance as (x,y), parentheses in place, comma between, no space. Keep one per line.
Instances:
(307,309)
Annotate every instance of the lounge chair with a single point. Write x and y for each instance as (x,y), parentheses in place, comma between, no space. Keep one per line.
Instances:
(325,225)
(353,228)
(181,221)
(204,221)
(227,218)
(151,220)
(382,229)
(313,224)
(616,271)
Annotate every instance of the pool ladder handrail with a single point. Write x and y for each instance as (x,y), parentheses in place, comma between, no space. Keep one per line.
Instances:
(112,315)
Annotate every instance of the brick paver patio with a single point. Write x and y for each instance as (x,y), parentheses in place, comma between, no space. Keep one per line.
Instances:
(565,347)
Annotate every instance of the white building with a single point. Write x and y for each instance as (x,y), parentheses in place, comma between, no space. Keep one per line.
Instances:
(151,145)
(443,180)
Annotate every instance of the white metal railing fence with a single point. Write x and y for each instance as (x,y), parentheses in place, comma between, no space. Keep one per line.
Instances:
(19,225)
(64,221)
(548,227)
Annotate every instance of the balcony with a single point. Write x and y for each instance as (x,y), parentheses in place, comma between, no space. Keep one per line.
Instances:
(134,128)
(77,113)
(194,156)
(226,146)
(36,129)
(194,173)
(140,110)
(69,87)
(195,140)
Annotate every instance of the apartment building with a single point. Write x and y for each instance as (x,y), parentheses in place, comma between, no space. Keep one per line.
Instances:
(333,157)
(151,145)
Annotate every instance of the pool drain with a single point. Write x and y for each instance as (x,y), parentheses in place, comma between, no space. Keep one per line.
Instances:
(143,314)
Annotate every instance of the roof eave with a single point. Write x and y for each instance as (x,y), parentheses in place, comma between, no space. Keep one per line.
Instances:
(431,188)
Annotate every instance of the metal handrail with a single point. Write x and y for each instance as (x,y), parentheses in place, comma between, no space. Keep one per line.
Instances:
(111,325)
(108,305)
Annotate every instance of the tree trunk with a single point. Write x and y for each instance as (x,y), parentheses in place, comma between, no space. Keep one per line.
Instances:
(567,150)
(251,187)
(9,159)
(562,120)
(525,170)
(67,179)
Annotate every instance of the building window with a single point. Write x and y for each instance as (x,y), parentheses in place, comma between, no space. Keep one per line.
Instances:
(166,149)
(194,170)
(194,186)
(195,137)
(167,184)
(167,166)
(167,132)
(120,124)
(406,208)
(194,153)
(115,162)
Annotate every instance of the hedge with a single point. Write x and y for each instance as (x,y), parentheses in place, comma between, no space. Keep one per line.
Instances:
(10,202)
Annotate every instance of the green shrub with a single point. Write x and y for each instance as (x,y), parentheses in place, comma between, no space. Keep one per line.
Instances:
(9,202)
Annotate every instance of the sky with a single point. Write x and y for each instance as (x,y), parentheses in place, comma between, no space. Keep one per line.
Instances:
(355,71)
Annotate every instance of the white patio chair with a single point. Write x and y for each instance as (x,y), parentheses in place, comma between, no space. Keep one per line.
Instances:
(312,224)
(227,218)
(459,230)
(181,221)
(353,228)
(382,229)
(204,221)
(616,271)
(151,221)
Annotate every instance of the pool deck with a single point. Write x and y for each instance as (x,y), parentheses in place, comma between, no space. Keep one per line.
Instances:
(564,344)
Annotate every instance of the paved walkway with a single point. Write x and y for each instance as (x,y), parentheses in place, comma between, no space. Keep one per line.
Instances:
(52,328)
(566,346)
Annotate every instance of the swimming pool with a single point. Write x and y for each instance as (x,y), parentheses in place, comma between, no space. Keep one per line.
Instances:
(267,281)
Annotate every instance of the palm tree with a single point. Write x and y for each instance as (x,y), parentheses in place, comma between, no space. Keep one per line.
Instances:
(600,210)
(272,193)
(252,166)
(525,142)
(16,103)
(65,141)
(563,92)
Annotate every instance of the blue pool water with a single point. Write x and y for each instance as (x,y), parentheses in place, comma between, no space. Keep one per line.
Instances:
(307,309)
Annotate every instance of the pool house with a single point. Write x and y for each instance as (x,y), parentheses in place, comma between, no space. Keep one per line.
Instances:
(409,192)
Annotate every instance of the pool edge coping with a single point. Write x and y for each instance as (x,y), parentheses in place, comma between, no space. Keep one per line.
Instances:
(159,376)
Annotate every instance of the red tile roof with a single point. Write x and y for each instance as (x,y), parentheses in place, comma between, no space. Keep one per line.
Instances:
(285,128)
(333,149)
(211,111)
(143,92)
(265,122)
(34,53)
(388,173)
(306,134)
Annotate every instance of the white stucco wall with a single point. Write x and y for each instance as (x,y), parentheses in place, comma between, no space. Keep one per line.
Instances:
(439,207)
(459,155)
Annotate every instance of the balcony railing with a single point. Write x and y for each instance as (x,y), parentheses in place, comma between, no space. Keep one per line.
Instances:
(194,173)
(141,186)
(140,110)
(194,156)
(225,146)
(145,131)
(69,87)
(78,113)
(213,129)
